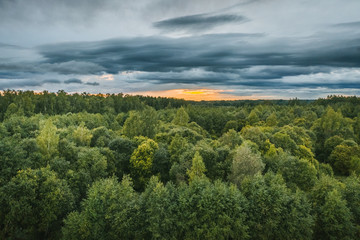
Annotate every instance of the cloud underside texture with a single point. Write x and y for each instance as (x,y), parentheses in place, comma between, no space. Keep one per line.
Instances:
(250,60)
(199,22)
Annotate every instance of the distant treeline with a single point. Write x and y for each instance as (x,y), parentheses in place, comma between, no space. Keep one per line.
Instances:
(61,102)
(50,103)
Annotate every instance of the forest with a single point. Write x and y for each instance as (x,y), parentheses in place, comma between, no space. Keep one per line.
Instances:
(115,166)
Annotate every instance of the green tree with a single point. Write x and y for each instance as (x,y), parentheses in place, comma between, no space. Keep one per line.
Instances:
(344,159)
(333,217)
(256,135)
(181,118)
(161,163)
(298,173)
(101,137)
(253,117)
(160,211)
(132,125)
(123,148)
(210,211)
(284,141)
(352,196)
(178,146)
(12,158)
(330,124)
(141,123)
(36,201)
(231,139)
(108,212)
(274,211)
(13,109)
(231,125)
(89,167)
(330,144)
(271,120)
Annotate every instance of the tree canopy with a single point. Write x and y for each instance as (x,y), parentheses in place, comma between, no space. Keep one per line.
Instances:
(110,166)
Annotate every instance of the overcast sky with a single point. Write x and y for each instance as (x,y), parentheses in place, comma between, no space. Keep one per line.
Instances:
(209,48)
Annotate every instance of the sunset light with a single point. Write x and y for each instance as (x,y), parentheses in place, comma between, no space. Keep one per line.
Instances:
(200,94)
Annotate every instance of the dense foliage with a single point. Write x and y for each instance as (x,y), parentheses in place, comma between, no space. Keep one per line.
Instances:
(87,166)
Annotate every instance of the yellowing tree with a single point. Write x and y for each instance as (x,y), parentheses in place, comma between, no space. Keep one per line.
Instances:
(198,167)
(245,163)
(141,162)
(48,139)
(82,136)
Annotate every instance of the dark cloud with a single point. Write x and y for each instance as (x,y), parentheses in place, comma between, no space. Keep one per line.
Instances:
(78,81)
(73,80)
(199,22)
(217,52)
(51,81)
(92,83)
(20,83)
(217,59)
(72,67)
(253,78)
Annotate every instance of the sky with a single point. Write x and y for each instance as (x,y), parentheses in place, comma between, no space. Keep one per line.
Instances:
(192,49)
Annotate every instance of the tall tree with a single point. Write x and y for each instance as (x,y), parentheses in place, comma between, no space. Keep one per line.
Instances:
(48,139)
(141,162)
(181,118)
(198,168)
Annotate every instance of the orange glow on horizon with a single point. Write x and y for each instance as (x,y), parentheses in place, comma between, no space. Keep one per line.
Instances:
(199,94)
(187,94)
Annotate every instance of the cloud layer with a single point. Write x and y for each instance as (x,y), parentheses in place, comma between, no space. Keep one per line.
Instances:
(251,47)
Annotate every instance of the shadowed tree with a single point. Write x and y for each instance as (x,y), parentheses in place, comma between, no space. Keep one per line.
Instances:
(352,196)
(211,211)
(108,212)
(36,201)
(333,217)
(275,212)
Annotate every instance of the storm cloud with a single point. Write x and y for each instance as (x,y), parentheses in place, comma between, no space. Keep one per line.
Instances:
(51,81)
(199,22)
(92,83)
(236,53)
(73,81)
